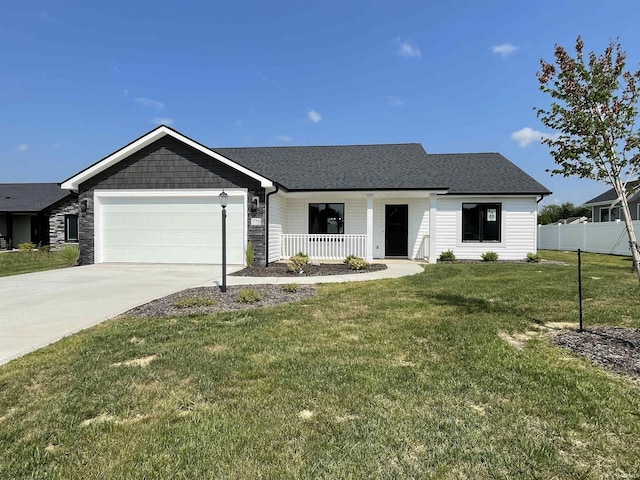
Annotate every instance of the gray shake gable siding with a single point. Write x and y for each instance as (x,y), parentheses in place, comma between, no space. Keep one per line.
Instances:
(167,164)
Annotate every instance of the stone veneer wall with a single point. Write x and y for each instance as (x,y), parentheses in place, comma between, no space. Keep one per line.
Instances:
(57,224)
(256,234)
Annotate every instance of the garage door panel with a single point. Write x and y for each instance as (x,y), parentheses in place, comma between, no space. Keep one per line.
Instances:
(170,229)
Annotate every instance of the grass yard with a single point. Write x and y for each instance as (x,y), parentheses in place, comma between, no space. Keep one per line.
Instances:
(19,262)
(402,378)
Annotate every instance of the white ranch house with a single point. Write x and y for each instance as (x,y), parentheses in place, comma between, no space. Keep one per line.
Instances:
(155,200)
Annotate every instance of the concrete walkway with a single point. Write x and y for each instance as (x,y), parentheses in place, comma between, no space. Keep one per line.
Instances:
(40,308)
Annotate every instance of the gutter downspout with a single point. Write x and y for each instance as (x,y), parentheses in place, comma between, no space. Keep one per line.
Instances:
(266,227)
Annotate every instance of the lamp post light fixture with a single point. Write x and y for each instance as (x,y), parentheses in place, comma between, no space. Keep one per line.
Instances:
(224,198)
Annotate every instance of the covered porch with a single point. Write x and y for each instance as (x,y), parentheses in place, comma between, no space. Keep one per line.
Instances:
(372,224)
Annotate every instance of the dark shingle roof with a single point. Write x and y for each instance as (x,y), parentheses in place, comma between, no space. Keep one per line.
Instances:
(390,166)
(29,197)
(611,195)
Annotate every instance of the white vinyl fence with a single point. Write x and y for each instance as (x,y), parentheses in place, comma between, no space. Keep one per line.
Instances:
(600,237)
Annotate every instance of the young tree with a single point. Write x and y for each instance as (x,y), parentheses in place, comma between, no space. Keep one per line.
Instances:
(594,111)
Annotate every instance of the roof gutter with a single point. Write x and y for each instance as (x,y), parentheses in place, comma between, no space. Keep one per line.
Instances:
(266,227)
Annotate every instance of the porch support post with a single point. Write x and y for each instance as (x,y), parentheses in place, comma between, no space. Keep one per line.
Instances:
(369,248)
(433,256)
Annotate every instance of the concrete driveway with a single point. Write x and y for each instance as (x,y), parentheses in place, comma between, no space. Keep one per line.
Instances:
(37,309)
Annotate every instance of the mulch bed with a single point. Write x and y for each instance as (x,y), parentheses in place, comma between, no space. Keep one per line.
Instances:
(271,295)
(281,270)
(613,348)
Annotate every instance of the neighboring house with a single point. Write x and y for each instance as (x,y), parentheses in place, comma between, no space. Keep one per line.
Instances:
(573,220)
(155,200)
(39,213)
(606,206)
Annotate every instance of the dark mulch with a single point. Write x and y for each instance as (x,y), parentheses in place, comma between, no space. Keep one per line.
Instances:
(271,295)
(281,270)
(613,348)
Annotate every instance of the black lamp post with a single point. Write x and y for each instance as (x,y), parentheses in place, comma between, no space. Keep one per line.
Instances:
(224,197)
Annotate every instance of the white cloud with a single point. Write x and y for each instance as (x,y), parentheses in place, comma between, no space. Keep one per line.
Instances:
(284,138)
(407,48)
(527,135)
(22,147)
(314,116)
(395,101)
(504,49)
(268,80)
(147,102)
(163,121)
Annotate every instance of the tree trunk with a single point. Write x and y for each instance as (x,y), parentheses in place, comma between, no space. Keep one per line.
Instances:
(626,216)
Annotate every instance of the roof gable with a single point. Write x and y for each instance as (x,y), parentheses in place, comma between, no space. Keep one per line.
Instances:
(30,197)
(73,182)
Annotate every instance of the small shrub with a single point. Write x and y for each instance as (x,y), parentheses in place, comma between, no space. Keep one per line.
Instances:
(44,249)
(533,257)
(357,263)
(200,301)
(291,287)
(489,256)
(447,256)
(248,295)
(71,253)
(27,247)
(348,259)
(250,254)
(298,262)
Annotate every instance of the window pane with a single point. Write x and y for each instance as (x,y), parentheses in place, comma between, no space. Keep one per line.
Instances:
(470,222)
(326,218)
(72,227)
(481,222)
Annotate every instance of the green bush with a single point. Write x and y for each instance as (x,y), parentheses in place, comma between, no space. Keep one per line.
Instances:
(248,295)
(447,256)
(291,287)
(489,256)
(533,257)
(250,254)
(298,262)
(357,263)
(44,249)
(348,259)
(199,301)
(71,253)
(27,247)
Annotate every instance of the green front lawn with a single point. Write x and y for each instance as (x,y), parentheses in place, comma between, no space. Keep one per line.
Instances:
(17,263)
(402,378)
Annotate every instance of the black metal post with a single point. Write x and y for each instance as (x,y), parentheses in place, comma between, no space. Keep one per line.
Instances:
(224,249)
(580,287)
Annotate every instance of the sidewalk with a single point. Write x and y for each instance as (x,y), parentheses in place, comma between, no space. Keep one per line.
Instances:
(395,269)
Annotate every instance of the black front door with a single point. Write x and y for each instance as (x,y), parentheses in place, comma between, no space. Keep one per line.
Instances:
(396,236)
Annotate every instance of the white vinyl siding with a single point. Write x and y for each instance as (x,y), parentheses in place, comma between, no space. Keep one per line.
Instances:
(168,228)
(418,224)
(518,228)
(355,213)
(277,224)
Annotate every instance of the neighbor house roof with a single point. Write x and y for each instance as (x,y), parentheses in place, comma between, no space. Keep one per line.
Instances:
(610,195)
(30,197)
(387,166)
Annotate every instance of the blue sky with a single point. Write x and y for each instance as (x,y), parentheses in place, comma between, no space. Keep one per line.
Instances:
(81,79)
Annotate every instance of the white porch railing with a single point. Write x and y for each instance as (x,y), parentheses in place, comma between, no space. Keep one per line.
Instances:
(323,246)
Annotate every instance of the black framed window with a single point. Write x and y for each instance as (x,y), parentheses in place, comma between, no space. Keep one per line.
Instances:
(71,228)
(481,222)
(609,214)
(326,218)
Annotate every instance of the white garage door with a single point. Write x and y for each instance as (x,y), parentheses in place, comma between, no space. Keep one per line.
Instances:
(168,229)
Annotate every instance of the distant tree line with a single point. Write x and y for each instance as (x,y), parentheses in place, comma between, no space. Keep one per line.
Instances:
(553,213)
